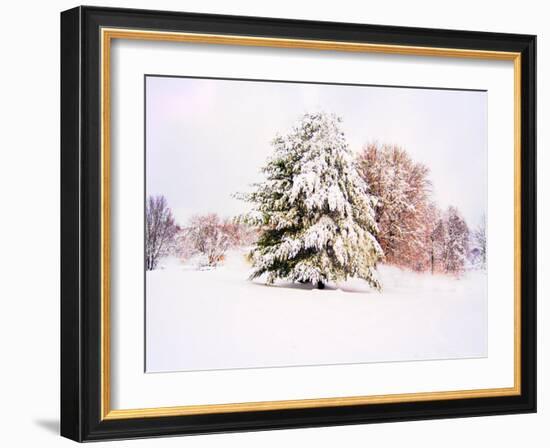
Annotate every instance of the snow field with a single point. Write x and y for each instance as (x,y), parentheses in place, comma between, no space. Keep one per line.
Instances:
(218,319)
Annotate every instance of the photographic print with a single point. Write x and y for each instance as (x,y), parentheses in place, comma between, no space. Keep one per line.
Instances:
(276,224)
(299,223)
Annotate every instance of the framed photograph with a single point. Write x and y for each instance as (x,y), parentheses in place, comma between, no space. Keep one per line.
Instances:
(273,223)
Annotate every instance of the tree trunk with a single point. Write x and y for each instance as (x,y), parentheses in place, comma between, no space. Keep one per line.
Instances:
(320,285)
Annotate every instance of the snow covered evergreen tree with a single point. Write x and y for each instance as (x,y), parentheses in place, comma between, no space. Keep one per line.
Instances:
(316,216)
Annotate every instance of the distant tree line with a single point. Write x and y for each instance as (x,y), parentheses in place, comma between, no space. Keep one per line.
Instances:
(208,235)
(323,214)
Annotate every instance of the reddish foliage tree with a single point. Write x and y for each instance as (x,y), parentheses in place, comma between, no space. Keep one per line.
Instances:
(403,208)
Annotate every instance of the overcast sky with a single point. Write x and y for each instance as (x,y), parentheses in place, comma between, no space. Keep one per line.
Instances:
(207,139)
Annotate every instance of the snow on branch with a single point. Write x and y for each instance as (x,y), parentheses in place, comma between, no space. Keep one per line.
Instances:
(314,211)
(210,237)
(160,230)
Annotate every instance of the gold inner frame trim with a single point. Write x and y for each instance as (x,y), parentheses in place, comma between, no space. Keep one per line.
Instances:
(107,35)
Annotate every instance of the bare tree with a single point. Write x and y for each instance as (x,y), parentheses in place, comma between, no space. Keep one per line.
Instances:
(239,233)
(435,238)
(160,230)
(479,237)
(210,236)
(183,246)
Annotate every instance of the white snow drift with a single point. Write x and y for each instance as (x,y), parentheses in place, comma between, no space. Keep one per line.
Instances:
(217,319)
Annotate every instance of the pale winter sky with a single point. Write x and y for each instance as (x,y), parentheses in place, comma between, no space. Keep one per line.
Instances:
(207,139)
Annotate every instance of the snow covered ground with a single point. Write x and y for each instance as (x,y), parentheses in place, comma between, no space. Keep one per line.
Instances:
(217,319)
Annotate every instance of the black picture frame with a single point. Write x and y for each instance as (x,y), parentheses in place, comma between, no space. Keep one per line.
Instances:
(81,415)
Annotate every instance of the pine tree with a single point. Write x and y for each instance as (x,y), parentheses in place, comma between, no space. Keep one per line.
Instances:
(316,216)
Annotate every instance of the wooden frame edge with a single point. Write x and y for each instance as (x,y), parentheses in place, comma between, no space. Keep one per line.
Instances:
(107,34)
